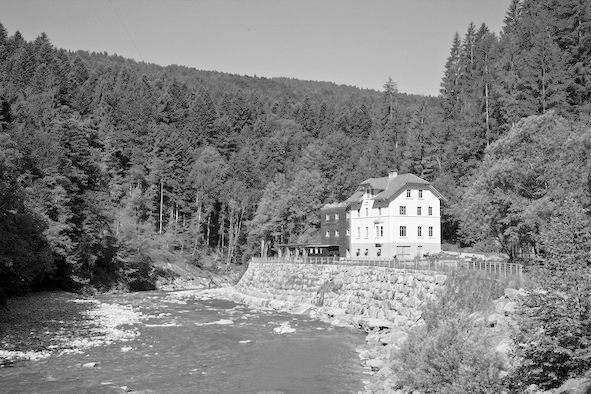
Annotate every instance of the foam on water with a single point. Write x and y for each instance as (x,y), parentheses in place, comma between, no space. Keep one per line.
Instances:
(188,345)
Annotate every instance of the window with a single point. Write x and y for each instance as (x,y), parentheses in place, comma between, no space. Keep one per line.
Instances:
(327,234)
(359,213)
(379,252)
(403,210)
(336,216)
(367,232)
(358,252)
(358,232)
(366,252)
(419,210)
(379,231)
(430,211)
(348,214)
(347,232)
(327,217)
(336,233)
(379,211)
(420,251)
(366,212)
(430,231)
(403,231)
(420,231)
(420,194)
(407,193)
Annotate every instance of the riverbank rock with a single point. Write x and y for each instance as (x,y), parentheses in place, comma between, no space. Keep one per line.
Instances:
(375,364)
(375,324)
(575,386)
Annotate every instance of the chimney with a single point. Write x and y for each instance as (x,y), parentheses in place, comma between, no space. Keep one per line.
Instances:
(392,174)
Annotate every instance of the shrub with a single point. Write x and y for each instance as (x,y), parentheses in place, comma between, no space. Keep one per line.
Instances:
(465,292)
(453,351)
(455,357)
(554,328)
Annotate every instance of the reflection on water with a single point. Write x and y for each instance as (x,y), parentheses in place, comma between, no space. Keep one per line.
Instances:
(203,346)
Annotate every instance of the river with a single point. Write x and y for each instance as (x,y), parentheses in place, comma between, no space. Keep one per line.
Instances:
(189,344)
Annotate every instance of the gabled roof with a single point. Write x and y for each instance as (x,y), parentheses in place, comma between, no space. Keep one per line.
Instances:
(356,197)
(397,184)
(389,187)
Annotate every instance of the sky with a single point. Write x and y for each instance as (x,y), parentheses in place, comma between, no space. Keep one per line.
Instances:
(361,43)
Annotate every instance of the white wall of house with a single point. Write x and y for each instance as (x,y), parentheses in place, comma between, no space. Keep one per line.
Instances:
(376,227)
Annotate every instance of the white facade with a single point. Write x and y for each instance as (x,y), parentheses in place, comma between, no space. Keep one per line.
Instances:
(395,216)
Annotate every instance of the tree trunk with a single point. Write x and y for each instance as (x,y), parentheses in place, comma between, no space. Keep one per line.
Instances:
(208,228)
(234,232)
(486,101)
(161,203)
(198,225)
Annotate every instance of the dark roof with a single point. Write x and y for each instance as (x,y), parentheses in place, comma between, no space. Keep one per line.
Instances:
(397,184)
(389,187)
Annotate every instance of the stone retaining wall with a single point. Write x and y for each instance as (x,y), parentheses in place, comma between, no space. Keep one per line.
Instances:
(374,292)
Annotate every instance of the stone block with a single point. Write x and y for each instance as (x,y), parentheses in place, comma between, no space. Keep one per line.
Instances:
(509,308)
(440,279)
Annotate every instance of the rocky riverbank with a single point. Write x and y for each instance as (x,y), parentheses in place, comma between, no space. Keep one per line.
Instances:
(41,324)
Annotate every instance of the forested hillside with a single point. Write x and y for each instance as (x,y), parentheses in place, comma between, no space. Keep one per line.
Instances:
(104,160)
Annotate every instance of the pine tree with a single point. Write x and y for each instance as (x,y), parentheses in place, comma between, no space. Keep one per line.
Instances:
(507,66)
(450,86)
(573,35)
(391,120)
(546,77)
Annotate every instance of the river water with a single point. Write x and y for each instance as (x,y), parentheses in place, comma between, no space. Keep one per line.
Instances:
(193,345)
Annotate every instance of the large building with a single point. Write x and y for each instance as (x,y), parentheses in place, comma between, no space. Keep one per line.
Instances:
(396,215)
